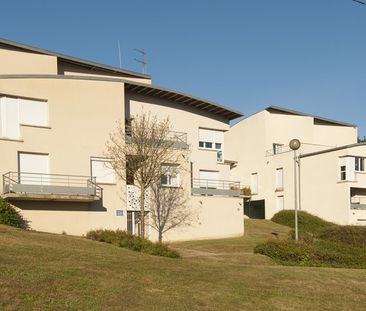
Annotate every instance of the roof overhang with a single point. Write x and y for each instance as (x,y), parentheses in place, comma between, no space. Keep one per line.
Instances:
(184,99)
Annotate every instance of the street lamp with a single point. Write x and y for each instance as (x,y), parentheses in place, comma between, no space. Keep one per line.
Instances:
(295,145)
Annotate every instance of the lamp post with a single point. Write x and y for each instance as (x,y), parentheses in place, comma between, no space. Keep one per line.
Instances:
(295,145)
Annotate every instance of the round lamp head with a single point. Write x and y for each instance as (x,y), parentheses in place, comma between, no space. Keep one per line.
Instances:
(295,144)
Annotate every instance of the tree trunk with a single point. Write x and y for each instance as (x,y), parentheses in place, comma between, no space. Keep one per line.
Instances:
(160,236)
(142,209)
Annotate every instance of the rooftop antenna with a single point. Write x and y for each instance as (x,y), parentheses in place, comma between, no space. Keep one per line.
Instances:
(119,55)
(142,60)
(360,2)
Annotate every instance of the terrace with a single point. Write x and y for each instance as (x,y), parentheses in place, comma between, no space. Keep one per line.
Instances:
(50,187)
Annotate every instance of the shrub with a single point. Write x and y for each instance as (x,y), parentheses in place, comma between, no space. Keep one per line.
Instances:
(123,239)
(246,191)
(318,253)
(10,216)
(307,223)
(353,235)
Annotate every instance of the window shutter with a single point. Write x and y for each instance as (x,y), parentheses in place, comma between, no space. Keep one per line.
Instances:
(9,118)
(102,171)
(219,137)
(206,135)
(33,112)
(279,178)
(254,183)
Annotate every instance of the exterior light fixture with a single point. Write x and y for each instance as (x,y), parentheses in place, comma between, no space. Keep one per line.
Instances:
(295,144)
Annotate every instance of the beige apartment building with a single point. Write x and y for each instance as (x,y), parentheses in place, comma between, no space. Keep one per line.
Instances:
(331,176)
(56,114)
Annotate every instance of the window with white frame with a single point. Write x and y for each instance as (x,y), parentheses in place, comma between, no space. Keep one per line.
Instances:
(254,183)
(209,179)
(17,111)
(343,172)
(277,148)
(9,118)
(33,112)
(101,169)
(170,176)
(279,179)
(280,203)
(212,140)
(359,164)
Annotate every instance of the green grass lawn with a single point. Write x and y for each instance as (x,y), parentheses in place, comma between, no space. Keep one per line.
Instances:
(40,271)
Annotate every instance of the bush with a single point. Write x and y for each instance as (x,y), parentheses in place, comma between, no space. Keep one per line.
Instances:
(307,223)
(318,253)
(10,216)
(321,243)
(353,235)
(123,239)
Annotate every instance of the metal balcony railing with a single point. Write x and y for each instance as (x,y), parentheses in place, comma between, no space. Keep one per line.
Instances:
(216,187)
(22,183)
(179,139)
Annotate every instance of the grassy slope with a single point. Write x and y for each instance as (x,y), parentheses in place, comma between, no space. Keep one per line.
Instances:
(41,271)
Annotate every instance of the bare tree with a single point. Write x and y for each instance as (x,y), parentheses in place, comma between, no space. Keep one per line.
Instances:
(137,153)
(169,209)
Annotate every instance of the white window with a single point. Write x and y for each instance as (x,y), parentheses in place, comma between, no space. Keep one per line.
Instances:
(359,164)
(33,112)
(219,157)
(209,179)
(211,139)
(343,172)
(347,168)
(102,170)
(16,111)
(279,179)
(254,183)
(277,148)
(170,176)
(9,118)
(33,168)
(280,203)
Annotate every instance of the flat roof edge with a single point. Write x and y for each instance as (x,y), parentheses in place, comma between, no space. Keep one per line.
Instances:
(332,150)
(73,59)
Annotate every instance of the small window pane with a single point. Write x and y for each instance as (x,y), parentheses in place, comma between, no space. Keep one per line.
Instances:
(343,172)
(201,144)
(170,176)
(219,156)
(359,164)
(217,146)
(208,145)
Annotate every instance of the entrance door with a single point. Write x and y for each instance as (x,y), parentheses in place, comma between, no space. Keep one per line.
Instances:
(255,209)
(33,168)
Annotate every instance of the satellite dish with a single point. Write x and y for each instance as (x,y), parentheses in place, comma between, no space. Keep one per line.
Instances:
(295,144)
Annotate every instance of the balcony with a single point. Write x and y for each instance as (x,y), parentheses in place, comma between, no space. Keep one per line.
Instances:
(211,187)
(50,187)
(179,139)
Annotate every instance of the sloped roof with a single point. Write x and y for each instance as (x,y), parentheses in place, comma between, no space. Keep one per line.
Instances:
(183,98)
(298,113)
(71,59)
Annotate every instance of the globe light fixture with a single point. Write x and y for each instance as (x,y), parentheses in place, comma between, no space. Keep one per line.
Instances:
(295,144)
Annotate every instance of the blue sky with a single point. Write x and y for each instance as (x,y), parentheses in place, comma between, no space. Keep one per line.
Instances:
(307,55)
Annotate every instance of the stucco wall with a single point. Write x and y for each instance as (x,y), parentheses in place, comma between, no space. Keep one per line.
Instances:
(16,62)
(188,120)
(323,193)
(81,114)
(212,217)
